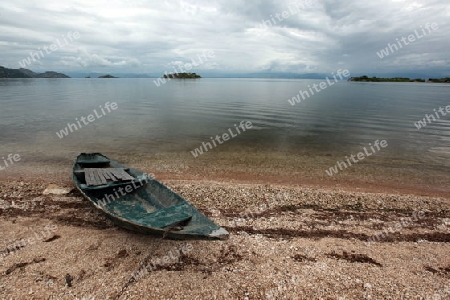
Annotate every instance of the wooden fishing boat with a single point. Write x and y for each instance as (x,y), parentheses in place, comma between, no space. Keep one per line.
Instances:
(136,201)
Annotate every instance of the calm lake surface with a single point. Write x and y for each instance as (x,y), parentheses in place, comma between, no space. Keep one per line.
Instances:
(181,114)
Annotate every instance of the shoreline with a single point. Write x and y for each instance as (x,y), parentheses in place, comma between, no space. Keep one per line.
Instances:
(379,175)
(350,185)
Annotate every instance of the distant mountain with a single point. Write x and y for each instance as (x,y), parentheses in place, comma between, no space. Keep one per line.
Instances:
(265,74)
(121,75)
(12,73)
(211,74)
(51,74)
(25,73)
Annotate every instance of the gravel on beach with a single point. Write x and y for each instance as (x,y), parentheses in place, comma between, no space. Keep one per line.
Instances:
(286,242)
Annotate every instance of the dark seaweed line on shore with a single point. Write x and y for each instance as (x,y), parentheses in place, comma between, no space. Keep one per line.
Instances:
(342,214)
(439,237)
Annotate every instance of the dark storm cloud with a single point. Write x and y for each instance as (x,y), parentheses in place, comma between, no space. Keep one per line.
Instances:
(246,36)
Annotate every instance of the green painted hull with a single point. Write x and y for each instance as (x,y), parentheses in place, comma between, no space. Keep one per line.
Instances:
(144,204)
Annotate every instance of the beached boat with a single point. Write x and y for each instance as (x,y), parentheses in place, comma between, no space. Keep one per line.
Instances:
(136,201)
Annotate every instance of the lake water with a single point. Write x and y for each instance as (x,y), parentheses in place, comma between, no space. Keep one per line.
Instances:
(181,114)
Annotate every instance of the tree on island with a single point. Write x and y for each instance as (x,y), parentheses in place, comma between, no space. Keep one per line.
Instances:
(182,75)
(442,80)
(394,79)
(376,79)
(107,76)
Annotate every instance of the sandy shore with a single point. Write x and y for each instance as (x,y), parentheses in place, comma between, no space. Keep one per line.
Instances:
(286,242)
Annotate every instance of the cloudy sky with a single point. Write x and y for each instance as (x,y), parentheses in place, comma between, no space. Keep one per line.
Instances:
(153,36)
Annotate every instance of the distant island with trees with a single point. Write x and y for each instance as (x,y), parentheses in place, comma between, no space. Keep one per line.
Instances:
(25,73)
(398,79)
(107,76)
(182,75)
(440,80)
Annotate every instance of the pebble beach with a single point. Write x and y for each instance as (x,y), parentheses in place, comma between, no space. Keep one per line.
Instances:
(287,241)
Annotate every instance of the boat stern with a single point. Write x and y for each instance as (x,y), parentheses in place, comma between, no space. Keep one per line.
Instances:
(219,234)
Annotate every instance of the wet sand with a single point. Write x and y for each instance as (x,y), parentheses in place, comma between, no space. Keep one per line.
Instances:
(289,239)
(252,165)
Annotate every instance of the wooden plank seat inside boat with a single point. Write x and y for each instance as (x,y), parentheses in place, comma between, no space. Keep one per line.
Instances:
(101,176)
(168,216)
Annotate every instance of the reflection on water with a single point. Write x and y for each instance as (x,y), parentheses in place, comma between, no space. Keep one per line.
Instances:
(180,115)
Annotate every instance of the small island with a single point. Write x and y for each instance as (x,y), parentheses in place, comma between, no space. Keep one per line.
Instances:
(107,76)
(182,75)
(441,80)
(397,79)
(380,79)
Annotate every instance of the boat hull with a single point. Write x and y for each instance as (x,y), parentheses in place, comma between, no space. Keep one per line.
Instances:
(144,205)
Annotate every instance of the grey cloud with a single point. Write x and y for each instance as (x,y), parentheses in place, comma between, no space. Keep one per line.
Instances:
(148,36)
